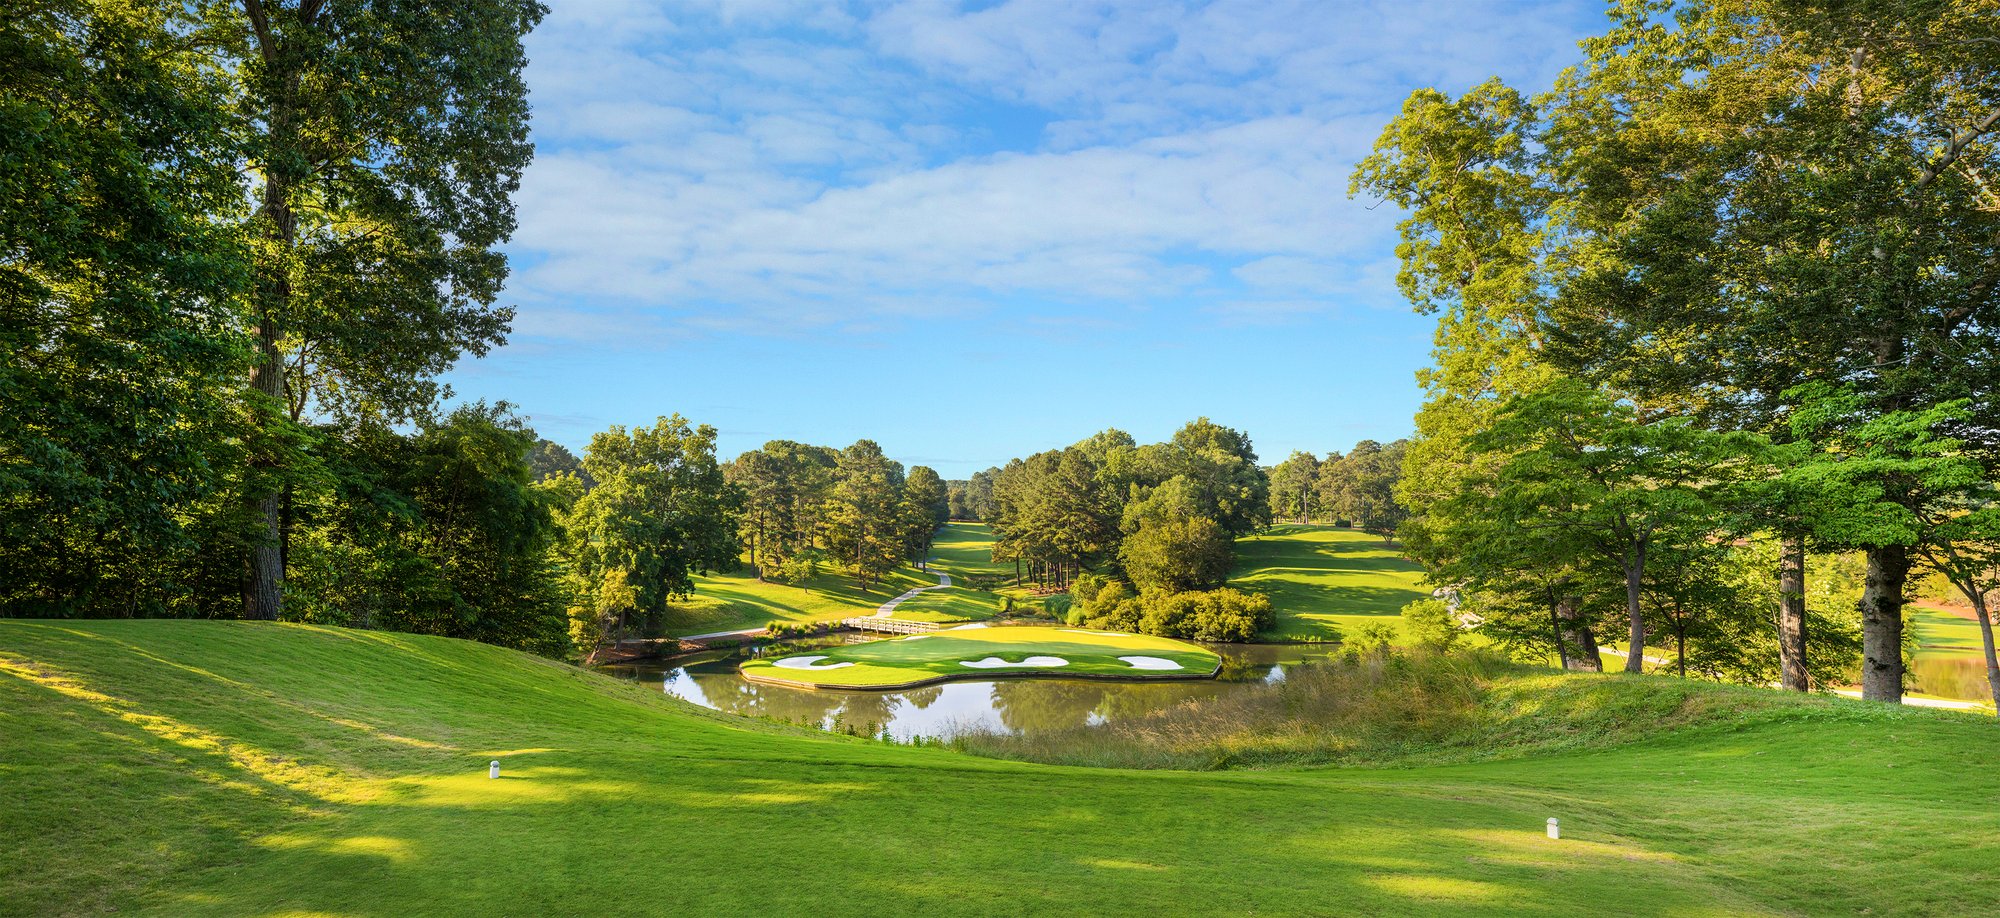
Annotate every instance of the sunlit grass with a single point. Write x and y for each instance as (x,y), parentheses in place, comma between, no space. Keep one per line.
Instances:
(614,799)
(1325,581)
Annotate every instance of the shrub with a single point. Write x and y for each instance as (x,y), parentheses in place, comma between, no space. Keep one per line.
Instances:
(793,571)
(1201,615)
(1057,606)
(1432,625)
(1375,640)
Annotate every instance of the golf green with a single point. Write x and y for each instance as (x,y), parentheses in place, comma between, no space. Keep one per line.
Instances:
(981,652)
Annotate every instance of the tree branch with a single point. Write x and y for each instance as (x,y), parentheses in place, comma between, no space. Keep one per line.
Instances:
(1956,148)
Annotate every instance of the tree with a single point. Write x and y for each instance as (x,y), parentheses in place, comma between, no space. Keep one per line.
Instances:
(1177,554)
(1293,483)
(547,459)
(864,527)
(1767,194)
(660,512)
(925,507)
(383,142)
(119,291)
(1361,486)
(1581,463)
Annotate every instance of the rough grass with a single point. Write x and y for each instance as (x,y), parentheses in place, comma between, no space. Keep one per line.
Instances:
(1404,709)
(1325,581)
(940,655)
(205,768)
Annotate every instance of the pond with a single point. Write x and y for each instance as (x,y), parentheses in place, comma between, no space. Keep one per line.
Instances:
(1012,705)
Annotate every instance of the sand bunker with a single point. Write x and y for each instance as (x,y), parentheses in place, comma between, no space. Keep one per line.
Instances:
(967,627)
(1150,663)
(806,663)
(996,662)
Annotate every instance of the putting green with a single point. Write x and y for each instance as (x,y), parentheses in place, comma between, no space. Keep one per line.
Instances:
(980,652)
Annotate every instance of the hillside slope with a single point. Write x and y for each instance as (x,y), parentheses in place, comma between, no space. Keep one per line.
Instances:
(1325,581)
(191,768)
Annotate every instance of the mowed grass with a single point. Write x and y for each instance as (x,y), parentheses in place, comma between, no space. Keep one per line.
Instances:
(210,768)
(925,658)
(736,602)
(1324,581)
(739,601)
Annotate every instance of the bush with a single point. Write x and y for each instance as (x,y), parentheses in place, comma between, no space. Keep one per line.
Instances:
(1057,606)
(1201,615)
(1376,640)
(1432,625)
(793,571)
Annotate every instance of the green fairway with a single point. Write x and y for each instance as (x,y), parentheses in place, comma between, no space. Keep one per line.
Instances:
(734,602)
(210,768)
(986,652)
(1323,580)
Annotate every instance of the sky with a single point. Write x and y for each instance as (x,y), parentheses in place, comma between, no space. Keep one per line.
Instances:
(974,231)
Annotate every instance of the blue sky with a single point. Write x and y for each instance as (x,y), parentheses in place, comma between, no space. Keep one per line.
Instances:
(974,231)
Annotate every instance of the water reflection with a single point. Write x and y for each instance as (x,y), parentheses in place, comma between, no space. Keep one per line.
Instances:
(1013,705)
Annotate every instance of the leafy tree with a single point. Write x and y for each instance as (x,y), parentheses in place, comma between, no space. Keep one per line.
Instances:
(864,526)
(1293,483)
(1361,486)
(119,288)
(1768,194)
(925,507)
(661,511)
(547,459)
(1586,466)
(1177,553)
(383,142)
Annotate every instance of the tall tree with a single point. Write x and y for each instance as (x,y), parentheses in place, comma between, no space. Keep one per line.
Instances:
(1293,484)
(864,525)
(383,141)
(120,281)
(1771,193)
(661,511)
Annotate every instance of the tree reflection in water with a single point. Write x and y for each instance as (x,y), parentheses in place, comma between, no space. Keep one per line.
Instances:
(1014,705)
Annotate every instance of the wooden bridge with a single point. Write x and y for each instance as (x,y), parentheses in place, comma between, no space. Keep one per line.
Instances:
(889,625)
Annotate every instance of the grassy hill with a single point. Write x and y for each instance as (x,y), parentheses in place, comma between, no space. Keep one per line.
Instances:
(1322,580)
(195,768)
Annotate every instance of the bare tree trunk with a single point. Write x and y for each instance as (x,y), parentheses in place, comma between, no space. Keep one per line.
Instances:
(1635,657)
(263,584)
(1986,642)
(1792,614)
(1580,644)
(1882,623)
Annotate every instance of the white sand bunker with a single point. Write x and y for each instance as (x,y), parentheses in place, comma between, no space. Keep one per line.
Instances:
(918,637)
(806,663)
(996,662)
(967,627)
(1150,663)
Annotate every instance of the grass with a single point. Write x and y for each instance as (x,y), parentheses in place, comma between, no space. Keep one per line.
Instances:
(1325,581)
(936,657)
(210,768)
(740,602)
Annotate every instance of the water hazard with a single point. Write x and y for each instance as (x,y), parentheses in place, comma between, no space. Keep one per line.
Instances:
(1013,705)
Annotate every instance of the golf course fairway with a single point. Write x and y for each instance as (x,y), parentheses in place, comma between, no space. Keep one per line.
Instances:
(982,652)
(191,768)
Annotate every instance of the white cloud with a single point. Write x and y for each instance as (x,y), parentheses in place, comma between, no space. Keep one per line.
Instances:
(772,167)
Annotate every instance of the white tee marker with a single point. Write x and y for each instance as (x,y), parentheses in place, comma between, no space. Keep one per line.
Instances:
(493,771)
(1555,831)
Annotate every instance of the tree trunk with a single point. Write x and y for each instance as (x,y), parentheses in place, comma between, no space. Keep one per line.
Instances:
(1635,656)
(1580,644)
(1556,633)
(1986,642)
(1882,623)
(1681,648)
(1792,615)
(263,586)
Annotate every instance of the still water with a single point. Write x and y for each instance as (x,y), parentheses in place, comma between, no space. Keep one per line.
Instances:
(1013,705)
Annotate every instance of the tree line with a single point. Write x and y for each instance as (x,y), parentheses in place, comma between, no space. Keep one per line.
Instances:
(1715,313)
(1129,529)
(1357,488)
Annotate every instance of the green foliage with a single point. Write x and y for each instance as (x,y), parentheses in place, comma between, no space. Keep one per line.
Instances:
(1177,554)
(437,533)
(1223,615)
(119,289)
(1432,625)
(660,512)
